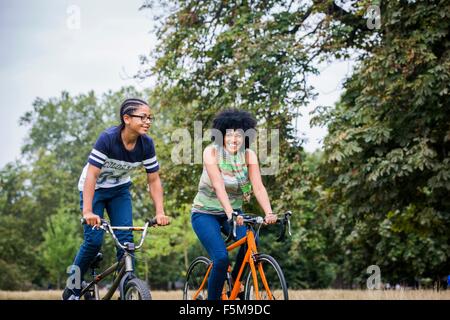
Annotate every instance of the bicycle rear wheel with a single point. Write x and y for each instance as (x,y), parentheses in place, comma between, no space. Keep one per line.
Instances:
(274,288)
(136,289)
(196,286)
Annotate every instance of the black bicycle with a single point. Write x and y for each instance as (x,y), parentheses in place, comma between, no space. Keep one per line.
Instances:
(130,286)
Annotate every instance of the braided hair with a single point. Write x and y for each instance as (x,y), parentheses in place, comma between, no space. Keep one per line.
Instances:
(129,106)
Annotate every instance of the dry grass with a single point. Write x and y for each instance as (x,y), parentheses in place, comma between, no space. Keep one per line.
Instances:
(34,295)
(328,294)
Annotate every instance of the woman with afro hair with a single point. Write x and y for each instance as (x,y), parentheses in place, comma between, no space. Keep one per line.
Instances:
(230,172)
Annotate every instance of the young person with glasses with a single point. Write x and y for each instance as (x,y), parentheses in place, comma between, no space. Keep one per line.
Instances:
(105,181)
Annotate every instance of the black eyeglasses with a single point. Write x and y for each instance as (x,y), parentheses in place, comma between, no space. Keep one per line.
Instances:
(142,117)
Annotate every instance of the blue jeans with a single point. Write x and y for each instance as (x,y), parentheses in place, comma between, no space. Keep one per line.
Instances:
(117,202)
(208,228)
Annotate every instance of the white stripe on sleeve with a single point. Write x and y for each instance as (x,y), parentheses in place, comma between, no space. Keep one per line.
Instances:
(152,166)
(148,161)
(99,154)
(96,159)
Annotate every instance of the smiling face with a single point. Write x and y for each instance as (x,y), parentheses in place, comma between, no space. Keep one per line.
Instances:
(233,140)
(139,120)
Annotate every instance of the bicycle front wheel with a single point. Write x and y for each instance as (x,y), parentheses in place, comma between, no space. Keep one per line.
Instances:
(136,289)
(196,285)
(269,279)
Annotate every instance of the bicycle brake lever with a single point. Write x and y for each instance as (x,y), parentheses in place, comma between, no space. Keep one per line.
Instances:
(289,227)
(234,229)
(98,227)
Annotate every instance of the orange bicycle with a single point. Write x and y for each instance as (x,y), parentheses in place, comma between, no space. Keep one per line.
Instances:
(265,281)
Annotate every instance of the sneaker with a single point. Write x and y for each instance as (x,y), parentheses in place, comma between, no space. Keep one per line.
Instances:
(69,295)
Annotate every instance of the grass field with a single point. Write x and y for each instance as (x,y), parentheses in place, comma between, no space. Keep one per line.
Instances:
(328,294)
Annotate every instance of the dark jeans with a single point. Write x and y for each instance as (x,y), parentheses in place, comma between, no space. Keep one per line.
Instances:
(117,202)
(208,228)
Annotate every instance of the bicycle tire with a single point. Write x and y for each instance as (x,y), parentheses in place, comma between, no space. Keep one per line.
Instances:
(194,278)
(275,279)
(137,289)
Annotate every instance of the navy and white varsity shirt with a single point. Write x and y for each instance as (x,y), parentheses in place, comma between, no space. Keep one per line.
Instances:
(116,162)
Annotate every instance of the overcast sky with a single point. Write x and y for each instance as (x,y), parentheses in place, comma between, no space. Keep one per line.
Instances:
(44,50)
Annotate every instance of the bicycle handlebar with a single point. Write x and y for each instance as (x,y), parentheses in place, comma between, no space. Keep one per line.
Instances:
(104,225)
(258,220)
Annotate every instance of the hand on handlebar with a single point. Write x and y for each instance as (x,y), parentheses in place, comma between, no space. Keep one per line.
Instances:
(92,219)
(162,220)
(240,220)
(237,218)
(270,218)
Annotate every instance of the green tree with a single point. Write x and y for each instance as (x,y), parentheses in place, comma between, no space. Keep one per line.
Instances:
(386,169)
(61,242)
(253,55)
(17,229)
(215,55)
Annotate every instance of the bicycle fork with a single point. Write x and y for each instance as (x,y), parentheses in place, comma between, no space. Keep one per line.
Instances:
(128,269)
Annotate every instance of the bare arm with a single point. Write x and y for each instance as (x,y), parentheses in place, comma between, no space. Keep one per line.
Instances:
(156,193)
(258,187)
(88,195)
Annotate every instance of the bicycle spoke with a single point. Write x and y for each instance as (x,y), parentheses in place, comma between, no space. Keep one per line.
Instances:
(133,294)
(270,281)
(196,286)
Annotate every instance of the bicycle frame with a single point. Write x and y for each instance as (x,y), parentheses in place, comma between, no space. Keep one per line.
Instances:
(252,250)
(104,274)
(125,265)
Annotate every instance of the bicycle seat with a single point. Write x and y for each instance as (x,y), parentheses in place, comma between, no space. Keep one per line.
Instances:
(96,261)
